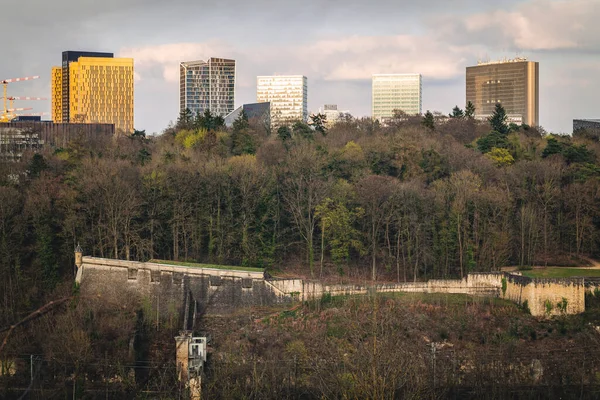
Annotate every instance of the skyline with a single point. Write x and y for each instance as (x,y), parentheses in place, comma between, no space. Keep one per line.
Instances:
(337,45)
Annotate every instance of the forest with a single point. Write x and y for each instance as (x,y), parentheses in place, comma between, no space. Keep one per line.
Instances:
(422,197)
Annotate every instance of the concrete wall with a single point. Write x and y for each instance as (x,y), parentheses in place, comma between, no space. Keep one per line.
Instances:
(538,292)
(162,288)
(485,284)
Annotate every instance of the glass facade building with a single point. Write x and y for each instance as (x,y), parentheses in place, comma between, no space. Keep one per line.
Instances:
(288,96)
(391,92)
(207,85)
(99,90)
(513,83)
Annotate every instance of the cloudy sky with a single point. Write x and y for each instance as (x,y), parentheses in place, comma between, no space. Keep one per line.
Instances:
(337,44)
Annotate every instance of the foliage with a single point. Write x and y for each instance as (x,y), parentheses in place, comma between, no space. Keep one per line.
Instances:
(470,110)
(500,157)
(457,112)
(498,120)
(428,120)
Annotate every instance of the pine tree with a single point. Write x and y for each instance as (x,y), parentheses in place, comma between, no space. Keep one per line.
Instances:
(470,110)
(428,120)
(498,120)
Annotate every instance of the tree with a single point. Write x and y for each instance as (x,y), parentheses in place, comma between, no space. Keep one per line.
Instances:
(303,190)
(500,157)
(470,110)
(457,112)
(337,229)
(185,120)
(284,133)
(428,120)
(498,120)
(241,141)
(375,194)
(318,122)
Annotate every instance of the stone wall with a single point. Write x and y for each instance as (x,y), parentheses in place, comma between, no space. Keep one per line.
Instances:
(485,284)
(540,292)
(162,288)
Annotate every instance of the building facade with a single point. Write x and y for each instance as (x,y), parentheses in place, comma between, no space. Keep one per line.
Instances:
(93,88)
(288,95)
(395,92)
(512,83)
(259,111)
(332,114)
(19,137)
(207,85)
(591,124)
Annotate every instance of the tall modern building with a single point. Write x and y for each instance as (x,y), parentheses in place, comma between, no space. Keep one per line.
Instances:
(391,92)
(513,83)
(93,88)
(288,95)
(207,85)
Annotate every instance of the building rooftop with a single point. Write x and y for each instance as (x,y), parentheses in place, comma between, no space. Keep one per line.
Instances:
(503,61)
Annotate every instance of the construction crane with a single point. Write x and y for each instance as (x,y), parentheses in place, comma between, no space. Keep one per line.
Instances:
(5,116)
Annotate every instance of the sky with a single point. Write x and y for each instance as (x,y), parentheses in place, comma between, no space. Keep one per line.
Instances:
(337,44)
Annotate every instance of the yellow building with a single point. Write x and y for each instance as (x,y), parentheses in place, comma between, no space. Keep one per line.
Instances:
(94,90)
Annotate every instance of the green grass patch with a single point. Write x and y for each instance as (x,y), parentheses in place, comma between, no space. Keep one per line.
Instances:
(558,272)
(214,266)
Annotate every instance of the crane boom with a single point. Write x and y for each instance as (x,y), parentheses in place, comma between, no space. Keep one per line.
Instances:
(27,78)
(11,98)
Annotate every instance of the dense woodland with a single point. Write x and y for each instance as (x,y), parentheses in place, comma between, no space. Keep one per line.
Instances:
(423,197)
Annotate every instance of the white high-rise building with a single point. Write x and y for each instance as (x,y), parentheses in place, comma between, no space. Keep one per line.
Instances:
(287,95)
(395,92)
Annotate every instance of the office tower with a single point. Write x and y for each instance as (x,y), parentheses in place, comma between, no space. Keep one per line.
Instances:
(395,92)
(207,85)
(512,83)
(93,88)
(287,95)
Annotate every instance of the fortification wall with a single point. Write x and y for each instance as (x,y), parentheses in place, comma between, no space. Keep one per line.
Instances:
(540,292)
(162,288)
(485,284)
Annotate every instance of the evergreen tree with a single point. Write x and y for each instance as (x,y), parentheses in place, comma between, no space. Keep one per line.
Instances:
(284,133)
(428,120)
(457,112)
(498,120)
(185,120)
(318,122)
(470,110)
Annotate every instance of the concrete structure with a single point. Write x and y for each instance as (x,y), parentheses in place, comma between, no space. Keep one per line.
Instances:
(207,85)
(513,83)
(93,88)
(543,296)
(288,95)
(592,124)
(18,137)
(172,289)
(395,92)
(332,113)
(259,111)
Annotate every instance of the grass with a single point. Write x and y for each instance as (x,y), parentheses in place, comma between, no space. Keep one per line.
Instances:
(558,272)
(214,266)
